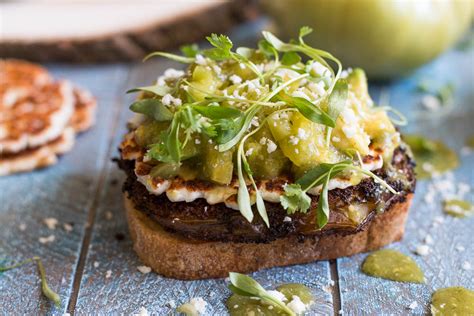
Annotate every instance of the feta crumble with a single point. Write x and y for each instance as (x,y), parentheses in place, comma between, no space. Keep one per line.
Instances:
(144,269)
(296,305)
(235,79)
(422,250)
(46,240)
(142,312)
(50,222)
(108,274)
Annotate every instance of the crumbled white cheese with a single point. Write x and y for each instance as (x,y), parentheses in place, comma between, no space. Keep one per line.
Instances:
(296,305)
(197,141)
(336,139)
(68,227)
(460,248)
(249,152)
(422,250)
(108,215)
(271,146)
(172,304)
(254,122)
(144,269)
(302,133)
(263,140)
(45,240)
(172,73)
(200,60)
(466,265)
(50,222)
(108,274)
(413,305)
(168,100)
(96,264)
(277,295)
(142,312)
(294,140)
(22,227)
(235,79)
(429,240)
(197,306)
(287,219)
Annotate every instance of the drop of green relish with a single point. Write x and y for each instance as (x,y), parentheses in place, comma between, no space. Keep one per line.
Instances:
(452,301)
(392,265)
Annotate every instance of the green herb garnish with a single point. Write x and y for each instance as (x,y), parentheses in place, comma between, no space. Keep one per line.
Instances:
(47,291)
(244,285)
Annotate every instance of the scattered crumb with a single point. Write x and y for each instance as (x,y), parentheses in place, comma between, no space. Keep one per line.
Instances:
(466,265)
(142,312)
(413,305)
(108,215)
(431,102)
(50,222)
(45,240)
(108,274)
(22,227)
(422,250)
(429,240)
(144,269)
(331,283)
(172,304)
(287,219)
(460,248)
(270,307)
(96,264)
(67,227)
(341,312)
(196,306)
(66,314)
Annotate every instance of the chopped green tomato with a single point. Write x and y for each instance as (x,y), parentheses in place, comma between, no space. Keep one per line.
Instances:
(165,170)
(452,301)
(203,82)
(458,208)
(300,290)
(239,305)
(149,132)
(216,166)
(392,265)
(432,157)
(266,160)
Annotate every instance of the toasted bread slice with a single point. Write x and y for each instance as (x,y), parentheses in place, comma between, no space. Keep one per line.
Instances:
(177,257)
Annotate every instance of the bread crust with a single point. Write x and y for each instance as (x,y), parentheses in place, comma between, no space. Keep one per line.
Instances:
(177,257)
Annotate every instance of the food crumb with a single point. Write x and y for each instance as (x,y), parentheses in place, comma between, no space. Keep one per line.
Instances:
(45,240)
(466,265)
(142,312)
(22,227)
(108,215)
(67,227)
(296,305)
(287,219)
(108,274)
(50,222)
(422,250)
(172,304)
(460,248)
(96,264)
(144,269)
(413,305)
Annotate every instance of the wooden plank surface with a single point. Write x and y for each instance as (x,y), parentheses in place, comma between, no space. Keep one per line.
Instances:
(63,192)
(363,295)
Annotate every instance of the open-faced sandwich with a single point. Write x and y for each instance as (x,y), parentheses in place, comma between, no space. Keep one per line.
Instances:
(254,158)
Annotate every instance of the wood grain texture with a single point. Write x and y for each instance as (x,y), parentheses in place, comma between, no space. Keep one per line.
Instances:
(62,191)
(364,295)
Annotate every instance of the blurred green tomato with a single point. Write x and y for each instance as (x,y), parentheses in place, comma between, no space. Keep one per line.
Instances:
(387,38)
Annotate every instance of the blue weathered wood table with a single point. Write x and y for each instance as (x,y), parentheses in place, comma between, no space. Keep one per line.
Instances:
(94,269)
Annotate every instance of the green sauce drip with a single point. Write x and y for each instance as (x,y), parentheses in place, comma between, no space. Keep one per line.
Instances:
(452,301)
(392,265)
(239,305)
(458,208)
(431,156)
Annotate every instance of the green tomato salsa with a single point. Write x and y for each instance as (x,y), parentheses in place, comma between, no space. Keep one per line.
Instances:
(280,110)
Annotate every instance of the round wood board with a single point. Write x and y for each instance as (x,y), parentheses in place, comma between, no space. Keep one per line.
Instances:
(110,30)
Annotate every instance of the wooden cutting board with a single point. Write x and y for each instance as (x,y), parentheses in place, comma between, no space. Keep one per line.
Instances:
(111,30)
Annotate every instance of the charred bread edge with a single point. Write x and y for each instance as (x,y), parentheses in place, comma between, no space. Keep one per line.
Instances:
(174,256)
(134,44)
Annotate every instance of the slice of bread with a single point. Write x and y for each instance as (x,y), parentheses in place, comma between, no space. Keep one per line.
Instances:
(174,256)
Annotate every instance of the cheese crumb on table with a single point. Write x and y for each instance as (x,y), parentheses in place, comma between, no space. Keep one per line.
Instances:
(50,222)
(466,265)
(413,305)
(108,274)
(45,240)
(144,269)
(296,305)
(67,227)
(422,250)
(142,312)
(195,307)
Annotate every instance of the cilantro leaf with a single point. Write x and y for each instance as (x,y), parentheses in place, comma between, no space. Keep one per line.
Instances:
(190,50)
(152,108)
(222,47)
(305,30)
(290,58)
(295,199)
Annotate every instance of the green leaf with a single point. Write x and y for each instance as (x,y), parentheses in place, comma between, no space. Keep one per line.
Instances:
(308,109)
(305,30)
(338,98)
(316,175)
(322,211)
(241,128)
(243,196)
(190,50)
(222,47)
(277,43)
(290,58)
(178,58)
(152,108)
(217,112)
(173,145)
(295,199)
(245,52)
(266,48)
(155,89)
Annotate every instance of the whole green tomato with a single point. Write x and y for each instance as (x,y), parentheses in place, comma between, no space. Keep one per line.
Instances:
(388,38)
